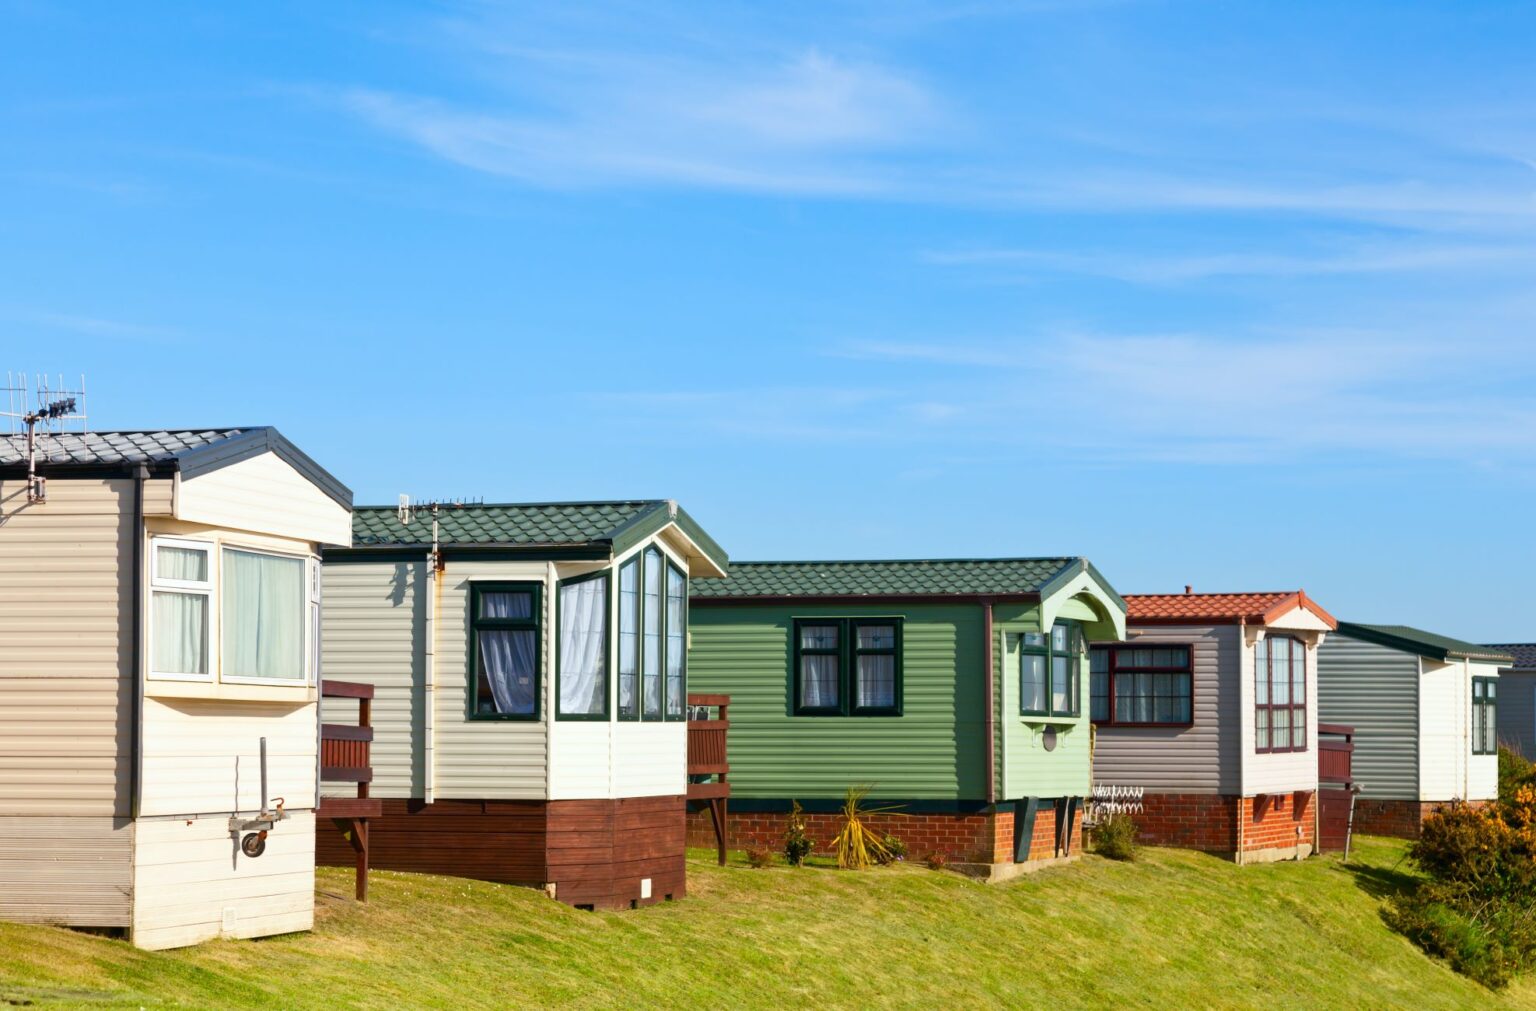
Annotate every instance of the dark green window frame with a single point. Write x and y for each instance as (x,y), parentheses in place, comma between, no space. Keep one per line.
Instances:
(607,666)
(640,564)
(847,653)
(1042,644)
(1485,712)
(478,624)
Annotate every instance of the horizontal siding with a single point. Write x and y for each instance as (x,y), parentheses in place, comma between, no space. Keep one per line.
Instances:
(70,871)
(373,619)
(930,752)
(186,880)
(66,705)
(203,757)
(1027,769)
(1203,758)
(266,495)
(650,759)
(1516,711)
(581,759)
(1375,690)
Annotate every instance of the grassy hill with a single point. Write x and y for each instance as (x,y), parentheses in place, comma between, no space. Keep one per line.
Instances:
(1175,929)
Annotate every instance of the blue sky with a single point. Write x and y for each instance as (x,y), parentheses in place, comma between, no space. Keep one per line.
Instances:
(1236,295)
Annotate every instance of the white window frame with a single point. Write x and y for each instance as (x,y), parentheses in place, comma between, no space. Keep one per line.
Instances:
(208,548)
(308,679)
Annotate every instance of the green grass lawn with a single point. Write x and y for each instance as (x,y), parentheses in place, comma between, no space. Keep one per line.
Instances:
(1175,929)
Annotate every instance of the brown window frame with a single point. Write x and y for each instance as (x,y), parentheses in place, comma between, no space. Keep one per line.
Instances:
(1188,670)
(1290,708)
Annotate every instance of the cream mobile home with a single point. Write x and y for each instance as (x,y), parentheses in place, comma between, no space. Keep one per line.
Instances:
(159,637)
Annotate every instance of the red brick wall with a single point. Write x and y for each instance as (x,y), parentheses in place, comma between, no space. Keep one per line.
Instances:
(1271,821)
(969,838)
(1197,821)
(1399,818)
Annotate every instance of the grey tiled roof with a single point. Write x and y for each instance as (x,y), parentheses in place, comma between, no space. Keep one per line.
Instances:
(1523,652)
(532,523)
(950,576)
(112,448)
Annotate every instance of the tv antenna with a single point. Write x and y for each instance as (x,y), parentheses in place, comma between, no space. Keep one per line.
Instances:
(53,406)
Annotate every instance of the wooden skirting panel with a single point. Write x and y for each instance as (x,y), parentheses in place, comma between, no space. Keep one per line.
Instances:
(594,852)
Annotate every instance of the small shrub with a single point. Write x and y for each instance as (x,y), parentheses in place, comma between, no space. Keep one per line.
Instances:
(936,861)
(797,845)
(759,858)
(895,850)
(1115,837)
(857,845)
(1490,944)
(1515,771)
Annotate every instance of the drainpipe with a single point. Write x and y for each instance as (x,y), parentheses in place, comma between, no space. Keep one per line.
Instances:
(140,475)
(429,663)
(989,722)
(1242,752)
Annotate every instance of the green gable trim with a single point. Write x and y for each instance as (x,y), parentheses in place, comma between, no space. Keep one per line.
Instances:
(894,579)
(1415,640)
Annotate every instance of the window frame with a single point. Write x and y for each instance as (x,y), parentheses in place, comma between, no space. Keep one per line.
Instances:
(618,639)
(213,658)
(1291,707)
(847,654)
(1049,652)
(478,589)
(308,600)
(1485,714)
(1188,670)
(668,568)
(608,662)
(638,559)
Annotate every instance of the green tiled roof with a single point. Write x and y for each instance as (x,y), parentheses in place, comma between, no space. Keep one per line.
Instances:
(615,525)
(952,576)
(1416,640)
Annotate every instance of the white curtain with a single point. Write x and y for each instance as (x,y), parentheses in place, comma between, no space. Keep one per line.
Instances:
(188,565)
(506,605)
(1032,682)
(676,616)
(583,632)
(263,616)
(650,681)
(507,662)
(818,681)
(877,681)
(180,633)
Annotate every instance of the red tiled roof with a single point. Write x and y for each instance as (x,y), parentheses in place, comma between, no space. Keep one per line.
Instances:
(1255,608)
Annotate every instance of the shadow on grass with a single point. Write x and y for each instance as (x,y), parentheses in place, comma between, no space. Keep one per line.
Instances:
(1382,882)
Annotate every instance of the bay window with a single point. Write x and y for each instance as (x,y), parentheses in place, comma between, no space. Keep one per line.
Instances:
(181,591)
(1280,694)
(583,668)
(653,638)
(1049,665)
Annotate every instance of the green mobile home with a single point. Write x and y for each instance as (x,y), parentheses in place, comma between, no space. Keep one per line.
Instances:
(955,689)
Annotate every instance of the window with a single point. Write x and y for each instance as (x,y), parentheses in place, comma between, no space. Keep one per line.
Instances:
(504,651)
(653,638)
(263,608)
(181,590)
(1485,701)
(1280,694)
(583,671)
(1049,668)
(1141,685)
(846,667)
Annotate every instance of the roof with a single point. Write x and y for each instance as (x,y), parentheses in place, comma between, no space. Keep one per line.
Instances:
(1259,608)
(1523,652)
(937,577)
(190,451)
(610,526)
(1415,640)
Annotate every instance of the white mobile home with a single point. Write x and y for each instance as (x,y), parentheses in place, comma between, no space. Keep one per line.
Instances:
(1514,698)
(1424,709)
(530,688)
(159,611)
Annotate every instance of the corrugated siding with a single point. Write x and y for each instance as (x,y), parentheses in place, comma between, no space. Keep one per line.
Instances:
(204,756)
(189,885)
(1203,758)
(66,702)
(266,495)
(1517,710)
(1375,690)
(933,751)
(373,623)
(70,871)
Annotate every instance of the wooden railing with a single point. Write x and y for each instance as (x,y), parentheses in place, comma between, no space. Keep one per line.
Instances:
(707,761)
(345,758)
(1335,753)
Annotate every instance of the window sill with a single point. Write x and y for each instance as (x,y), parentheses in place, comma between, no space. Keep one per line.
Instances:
(1049,718)
(298,693)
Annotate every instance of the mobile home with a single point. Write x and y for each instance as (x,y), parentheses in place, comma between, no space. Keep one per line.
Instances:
(952,688)
(530,690)
(158,639)
(1512,700)
(1424,711)
(1209,708)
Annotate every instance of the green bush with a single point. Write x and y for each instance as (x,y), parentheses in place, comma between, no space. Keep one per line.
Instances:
(760,858)
(1490,942)
(1515,771)
(797,845)
(895,850)
(1115,837)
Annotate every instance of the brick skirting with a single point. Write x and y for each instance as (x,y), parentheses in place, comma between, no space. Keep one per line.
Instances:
(981,838)
(1402,819)
(1210,822)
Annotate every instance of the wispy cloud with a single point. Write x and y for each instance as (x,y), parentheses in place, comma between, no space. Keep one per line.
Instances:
(94,326)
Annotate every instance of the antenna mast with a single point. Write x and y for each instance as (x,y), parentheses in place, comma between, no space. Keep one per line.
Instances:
(55,407)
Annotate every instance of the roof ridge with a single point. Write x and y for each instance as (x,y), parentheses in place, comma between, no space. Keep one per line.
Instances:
(903,561)
(526,505)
